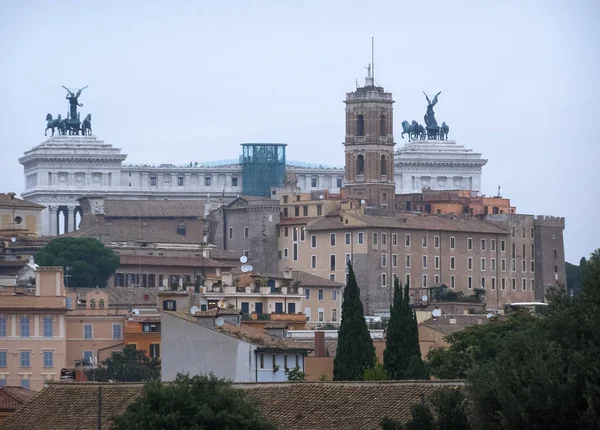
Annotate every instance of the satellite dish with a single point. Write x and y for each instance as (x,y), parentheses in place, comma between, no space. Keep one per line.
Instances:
(362,202)
(243,259)
(219,322)
(436,313)
(221,304)
(321,197)
(194,309)
(245,268)
(135,311)
(424,298)
(250,268)
(490,315)
(13,239)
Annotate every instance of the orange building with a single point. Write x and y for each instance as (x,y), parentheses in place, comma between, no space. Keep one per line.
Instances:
(142,329)
(455,202)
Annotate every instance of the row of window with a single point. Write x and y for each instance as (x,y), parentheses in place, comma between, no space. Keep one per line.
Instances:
(180,181)
(276,364)
(470,285)
(321,315)
(523,230)
(246,232)
(25,359)
(88,331)
(320,294)
(25,326)
(24,382)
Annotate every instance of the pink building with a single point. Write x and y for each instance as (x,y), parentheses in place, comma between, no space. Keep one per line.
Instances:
(33,331)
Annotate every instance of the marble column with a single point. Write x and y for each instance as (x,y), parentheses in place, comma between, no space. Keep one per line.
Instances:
(53,220)
(70,219)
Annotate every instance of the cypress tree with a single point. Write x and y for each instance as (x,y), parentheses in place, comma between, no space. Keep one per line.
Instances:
(355,351)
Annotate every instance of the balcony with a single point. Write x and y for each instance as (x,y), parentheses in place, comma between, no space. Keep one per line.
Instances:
(296,318)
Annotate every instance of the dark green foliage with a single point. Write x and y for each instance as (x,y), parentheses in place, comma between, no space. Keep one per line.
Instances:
(90,262)
(199,402)
(355,351)
(421,418)
(376,373)
(388,423)
(402,355)
(295,374)
(130,365)
(573,274)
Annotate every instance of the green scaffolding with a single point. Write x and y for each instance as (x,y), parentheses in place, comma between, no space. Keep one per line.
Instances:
(263,167)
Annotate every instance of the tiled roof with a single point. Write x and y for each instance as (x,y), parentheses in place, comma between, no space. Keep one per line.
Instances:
(12,398)
(411,222)
(461,322)
(309,280)
(278,325)
(292,406)
(222,254)
(296,221)
(154,208)
(136,297)
(151,260)
(216,312)
(245,333)
(124,234)
(9,200)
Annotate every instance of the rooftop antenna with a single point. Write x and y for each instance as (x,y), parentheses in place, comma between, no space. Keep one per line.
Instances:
(373,58)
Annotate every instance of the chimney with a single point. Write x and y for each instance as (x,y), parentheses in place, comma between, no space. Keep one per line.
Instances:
(319,343)
(287,273)
(11,195)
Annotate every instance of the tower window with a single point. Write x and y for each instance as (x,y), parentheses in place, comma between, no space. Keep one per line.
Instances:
(383,131)
(181,228)
(360,125)
(383,165)
(360,164)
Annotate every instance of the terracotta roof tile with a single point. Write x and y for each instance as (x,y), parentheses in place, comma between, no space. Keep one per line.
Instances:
(9,200)
(114,233)
(154,208)
(310,280)
(292,406)
(136,297)
(151,260)
(216,312)
(444,324)
(12,398)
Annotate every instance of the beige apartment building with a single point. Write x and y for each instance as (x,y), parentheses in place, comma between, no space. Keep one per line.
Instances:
(33,331)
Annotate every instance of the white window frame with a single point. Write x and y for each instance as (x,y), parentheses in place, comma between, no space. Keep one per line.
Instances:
(360,237)
(313,241)
(92,331)
(313,261)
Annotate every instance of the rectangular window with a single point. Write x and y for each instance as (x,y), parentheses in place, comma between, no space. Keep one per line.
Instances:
(338,182)
(306,293)
(493,244)
(483,264)
(332,262)
(408,261)
(513,232)
(383,238)
(470,282)
(347,259)
(3,321)
(334,294)
(513,253)
(424,281)
(24,326)
(452,263)
(424,241)
(180,181)
(295,251)
(332,277)
(375,239)
(493,283)
(483,283)
(452,243)
(483,244)
(304,210)
(452,282)
(117,332)
(493,264)
(313,241)
(348,236)
(87,331)
(524,281)
(246,232)
(503,245)
(384,280)
(153,181)
(503,264)
(285,214)
(408,279)
(321,294)
(230,232)
(532,250)
(424,262)
(48,327)
(334,316)
(395,239)
(3,358)
(295,234)
(394,260)
(514,284)
(361,238)
(48,358)
(155,350)
(319,210)
(313,182)
(532,266)
(302,233)
(523,232)
(234,181)
(524,266)
(25,357)
(383,260)
(470,263)
(436,262)
(503,283)
(285,232)
(532,282)
(207,181)
(313,261)
(321,314)
(262,361)
(332,239)
(296,210)
(513,265)
(407,240)
(285,252)
(469,244)
(436,241)
(524,250)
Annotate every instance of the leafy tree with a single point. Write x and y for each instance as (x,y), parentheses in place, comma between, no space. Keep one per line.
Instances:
(355,350)
(402,355)
(199,402)
(90,262)
(376,373)
(295,374)
(129,365)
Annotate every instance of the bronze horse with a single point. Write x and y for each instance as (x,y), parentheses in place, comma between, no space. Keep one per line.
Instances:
(54,123)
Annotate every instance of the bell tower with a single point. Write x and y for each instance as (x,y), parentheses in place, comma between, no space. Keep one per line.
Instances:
(369,144)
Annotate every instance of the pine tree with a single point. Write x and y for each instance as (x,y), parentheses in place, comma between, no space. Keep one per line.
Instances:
(355,351)
(402,355)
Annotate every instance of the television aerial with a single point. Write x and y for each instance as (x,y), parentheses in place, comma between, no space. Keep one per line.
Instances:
(221,304)
(424,298)
(436,313)
(219,322)
(194,309)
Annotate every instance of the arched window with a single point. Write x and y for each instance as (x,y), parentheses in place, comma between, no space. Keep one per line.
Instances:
(181,228)
(383,165)
(383,131)
(360,164)
(93,304)
(360,125)
(101,304)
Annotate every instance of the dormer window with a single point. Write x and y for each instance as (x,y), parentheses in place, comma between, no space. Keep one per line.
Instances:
(93,304)
(101,304)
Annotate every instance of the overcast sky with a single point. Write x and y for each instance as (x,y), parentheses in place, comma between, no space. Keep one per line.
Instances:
(179,81)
